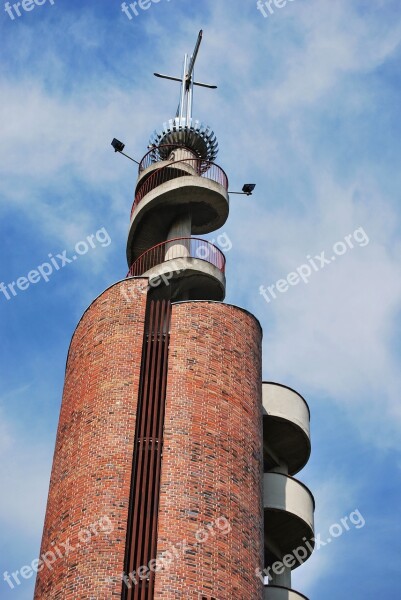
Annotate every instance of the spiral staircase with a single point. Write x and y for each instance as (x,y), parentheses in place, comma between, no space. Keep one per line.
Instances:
(288,503)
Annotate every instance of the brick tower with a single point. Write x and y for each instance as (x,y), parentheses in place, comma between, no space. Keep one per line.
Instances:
(157,489)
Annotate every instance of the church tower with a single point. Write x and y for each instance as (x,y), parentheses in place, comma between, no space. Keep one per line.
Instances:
(172,474)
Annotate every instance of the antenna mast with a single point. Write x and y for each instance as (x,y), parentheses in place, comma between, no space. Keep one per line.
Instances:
(184,110)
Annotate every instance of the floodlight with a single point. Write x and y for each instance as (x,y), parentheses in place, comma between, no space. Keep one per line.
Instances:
(248,188)
(117,145)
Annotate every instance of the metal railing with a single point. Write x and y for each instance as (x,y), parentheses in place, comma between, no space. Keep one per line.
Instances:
(159,153)
(176,249)
(181,168)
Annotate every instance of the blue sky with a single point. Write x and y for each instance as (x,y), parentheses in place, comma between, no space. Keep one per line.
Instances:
(308,108)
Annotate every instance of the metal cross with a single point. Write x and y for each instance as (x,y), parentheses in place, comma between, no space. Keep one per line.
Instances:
(184,110)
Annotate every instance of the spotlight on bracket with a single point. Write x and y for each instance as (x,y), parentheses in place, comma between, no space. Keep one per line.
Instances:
(247,189)
(119,147)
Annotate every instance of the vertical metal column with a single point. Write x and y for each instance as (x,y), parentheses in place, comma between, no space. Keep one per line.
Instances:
(145,483)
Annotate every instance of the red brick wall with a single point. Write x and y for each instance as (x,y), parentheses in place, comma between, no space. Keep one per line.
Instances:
(212,456)
(92,465)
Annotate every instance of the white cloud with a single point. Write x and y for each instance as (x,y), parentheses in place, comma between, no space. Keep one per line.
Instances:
(334,334)
(335,499)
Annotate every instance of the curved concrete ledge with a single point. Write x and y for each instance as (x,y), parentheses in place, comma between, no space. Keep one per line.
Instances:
(289,513)
(274,592)
(287,387)
(207,201)
(194,276)
(286,428)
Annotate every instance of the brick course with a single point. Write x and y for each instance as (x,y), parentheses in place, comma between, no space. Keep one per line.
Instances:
(211,468)
(212,455)
(93,456)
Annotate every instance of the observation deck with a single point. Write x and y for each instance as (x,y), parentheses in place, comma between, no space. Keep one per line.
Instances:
(192,267)
(167,189)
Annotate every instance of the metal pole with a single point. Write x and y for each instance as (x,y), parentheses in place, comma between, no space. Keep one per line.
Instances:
(194,55)
(190,102)
(133,159)
(183,89)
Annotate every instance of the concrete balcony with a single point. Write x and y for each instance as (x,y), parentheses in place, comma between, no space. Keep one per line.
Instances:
(165,153)
(183,269)
(274,592)
(168,189)
(289,514)
(286,431)
(162,156)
